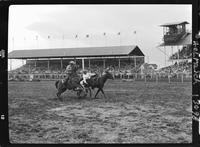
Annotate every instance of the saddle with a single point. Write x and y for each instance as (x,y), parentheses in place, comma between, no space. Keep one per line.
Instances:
(72,82)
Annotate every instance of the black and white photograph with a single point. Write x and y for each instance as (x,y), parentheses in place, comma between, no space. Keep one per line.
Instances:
(100,74)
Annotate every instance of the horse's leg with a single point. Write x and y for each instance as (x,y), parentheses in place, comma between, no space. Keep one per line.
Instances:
(103,93)
(97,93)
(90,92)
(88,89)
(61,89)
(58,95)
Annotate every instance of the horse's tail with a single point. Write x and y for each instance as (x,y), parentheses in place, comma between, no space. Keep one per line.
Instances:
(56,84)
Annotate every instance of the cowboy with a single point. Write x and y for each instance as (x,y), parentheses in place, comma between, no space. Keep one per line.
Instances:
(70,71)
(86,75)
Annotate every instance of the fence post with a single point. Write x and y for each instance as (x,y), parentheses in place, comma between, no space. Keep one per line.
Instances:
(169,78)
(156,78)
(182,78)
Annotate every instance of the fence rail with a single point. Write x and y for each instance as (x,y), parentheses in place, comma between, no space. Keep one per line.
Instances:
(180,77)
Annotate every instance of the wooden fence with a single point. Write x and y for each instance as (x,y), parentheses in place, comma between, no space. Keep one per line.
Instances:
(180,77)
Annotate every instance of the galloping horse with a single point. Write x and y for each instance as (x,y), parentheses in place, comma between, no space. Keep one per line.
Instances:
(70,85)
(98,82)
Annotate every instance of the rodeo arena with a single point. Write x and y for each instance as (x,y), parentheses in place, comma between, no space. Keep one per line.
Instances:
(124,100)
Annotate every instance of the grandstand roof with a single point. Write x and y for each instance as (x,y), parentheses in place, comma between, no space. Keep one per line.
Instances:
(174,23)
(76,52)
(185,40)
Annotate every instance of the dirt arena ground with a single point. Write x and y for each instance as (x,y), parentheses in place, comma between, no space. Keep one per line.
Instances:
(134,112)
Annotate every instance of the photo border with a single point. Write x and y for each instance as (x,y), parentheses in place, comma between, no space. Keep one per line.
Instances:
(4,11)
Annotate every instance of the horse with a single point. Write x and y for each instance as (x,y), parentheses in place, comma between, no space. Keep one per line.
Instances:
(98,82)
(70,85)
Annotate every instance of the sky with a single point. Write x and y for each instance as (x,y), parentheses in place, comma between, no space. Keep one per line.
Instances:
(55,26)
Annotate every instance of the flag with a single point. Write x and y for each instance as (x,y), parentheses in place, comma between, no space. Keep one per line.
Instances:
(87,36)
(76,36)
(104,34)
(118,33)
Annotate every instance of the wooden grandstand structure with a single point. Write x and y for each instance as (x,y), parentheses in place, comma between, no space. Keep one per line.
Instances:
(83,56)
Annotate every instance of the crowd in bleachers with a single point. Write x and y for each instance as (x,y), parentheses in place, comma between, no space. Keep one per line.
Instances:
(184,53)
(42,69)
(55,68)
(183,65)
(176,69)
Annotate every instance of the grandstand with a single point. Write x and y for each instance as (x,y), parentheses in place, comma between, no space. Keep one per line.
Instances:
(183,62)
(174,35)
(53,61)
